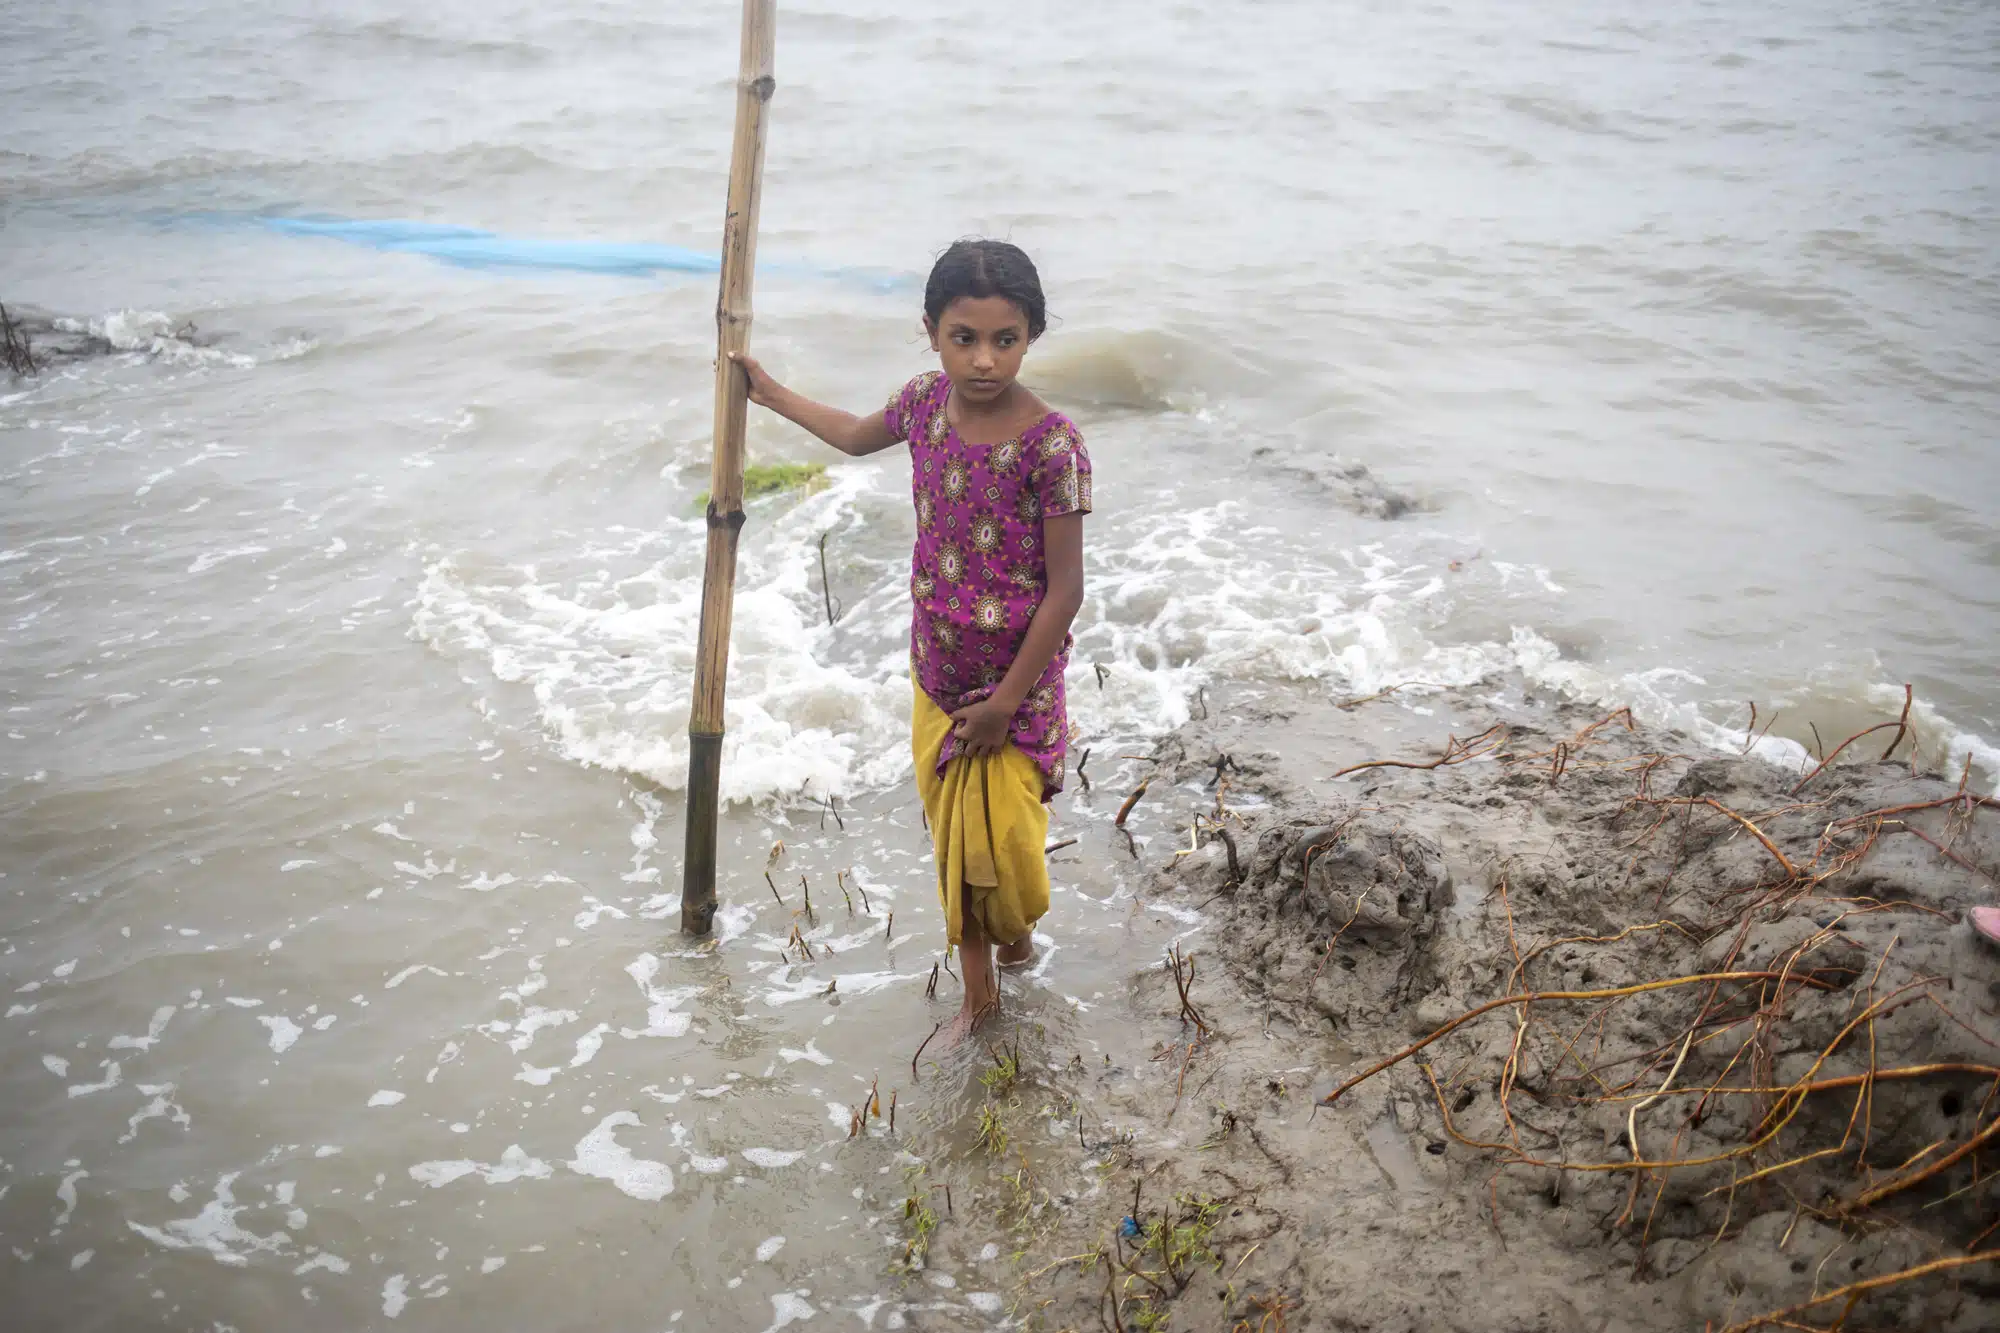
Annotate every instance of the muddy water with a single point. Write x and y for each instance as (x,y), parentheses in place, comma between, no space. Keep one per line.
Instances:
(348,634)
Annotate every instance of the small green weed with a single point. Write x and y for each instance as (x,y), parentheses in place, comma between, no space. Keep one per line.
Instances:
(923,1223)
(762,479)
(1006,1069)
(1181,1240)
(992,1130)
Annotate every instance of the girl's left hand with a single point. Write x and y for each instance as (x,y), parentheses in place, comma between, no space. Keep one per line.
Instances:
(981,728)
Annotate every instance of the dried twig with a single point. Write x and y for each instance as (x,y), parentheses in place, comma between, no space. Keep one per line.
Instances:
(1131,801)
(1349,704)
(1456,751)
(1536,997)
(15,348)
(920,1050)
(1342,931)
(1901,725)
(826,588)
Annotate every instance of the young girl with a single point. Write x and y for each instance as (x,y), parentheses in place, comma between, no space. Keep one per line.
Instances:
(1001,484)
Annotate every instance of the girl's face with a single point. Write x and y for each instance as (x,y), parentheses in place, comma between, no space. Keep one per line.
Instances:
(980,340)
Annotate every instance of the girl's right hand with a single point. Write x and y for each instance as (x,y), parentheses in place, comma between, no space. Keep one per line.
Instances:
(762,387)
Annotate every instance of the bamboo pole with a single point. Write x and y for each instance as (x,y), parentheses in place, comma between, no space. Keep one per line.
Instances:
(754,85)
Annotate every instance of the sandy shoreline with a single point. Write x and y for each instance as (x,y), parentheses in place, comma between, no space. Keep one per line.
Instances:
(1486,1183)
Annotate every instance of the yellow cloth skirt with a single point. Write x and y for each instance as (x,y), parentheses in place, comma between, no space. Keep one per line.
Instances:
(989,829)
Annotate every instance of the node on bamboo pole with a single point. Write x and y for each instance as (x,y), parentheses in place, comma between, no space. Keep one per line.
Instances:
(754,85)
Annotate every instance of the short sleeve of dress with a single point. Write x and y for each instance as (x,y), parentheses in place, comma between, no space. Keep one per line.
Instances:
(1063,469)
(900,416)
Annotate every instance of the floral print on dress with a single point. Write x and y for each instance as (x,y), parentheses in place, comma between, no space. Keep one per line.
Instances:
(978,573)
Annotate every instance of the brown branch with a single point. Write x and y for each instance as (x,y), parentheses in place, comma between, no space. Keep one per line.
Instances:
(1536,997)
(1902,722)
(1456,751)
(1853,1291)
(1897,1186)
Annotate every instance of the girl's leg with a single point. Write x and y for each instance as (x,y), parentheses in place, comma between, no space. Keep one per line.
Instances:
(982,984)
(1019,952)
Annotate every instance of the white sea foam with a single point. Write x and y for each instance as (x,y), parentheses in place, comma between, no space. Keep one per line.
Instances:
(811,1052)
(161,1017)
(599,1154)
(66,1193)
(283,1031)
(533,1020)
(215,1230)
(789,1308)
(113,1075)
(610,661)
(514,1164)
(663,1016)
(331,1263)
(208,560)
(161,1106)
(588,1045)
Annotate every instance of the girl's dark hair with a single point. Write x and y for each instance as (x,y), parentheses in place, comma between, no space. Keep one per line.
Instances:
(986,268)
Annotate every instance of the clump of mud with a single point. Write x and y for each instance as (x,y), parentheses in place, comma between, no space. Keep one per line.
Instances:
(33,340)
(1571,1030)
(1348,483)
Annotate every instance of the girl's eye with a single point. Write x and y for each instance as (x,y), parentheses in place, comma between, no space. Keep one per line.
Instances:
(1007,340)
(962,339)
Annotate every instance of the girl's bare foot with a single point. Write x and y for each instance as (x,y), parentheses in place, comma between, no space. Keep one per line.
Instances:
(1986,922)
(1018,954)
(962,1025)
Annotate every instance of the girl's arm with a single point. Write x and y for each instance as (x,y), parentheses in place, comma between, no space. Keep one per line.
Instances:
(982,727)
(852,435)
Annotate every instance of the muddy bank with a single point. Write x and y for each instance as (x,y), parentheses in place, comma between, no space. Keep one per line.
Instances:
(1759,1074)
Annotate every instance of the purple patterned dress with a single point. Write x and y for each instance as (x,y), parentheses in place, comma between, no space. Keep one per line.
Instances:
(979,571)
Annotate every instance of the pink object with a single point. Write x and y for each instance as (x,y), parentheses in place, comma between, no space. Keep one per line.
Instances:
(1986,920)
(978,572)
